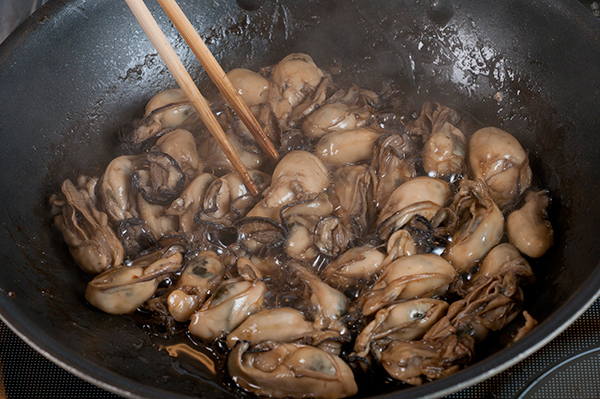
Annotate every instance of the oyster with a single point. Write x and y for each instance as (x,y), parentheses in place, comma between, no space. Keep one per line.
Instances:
(280,325)
(329,118)
(358,265)
(417,276)
(392,165)
(156,219)
(202,273)
(445,150)
(528,228)
(419,196)
(352,196)
(492,264)
(328,304)
(123,289)
(190,202)
(332,237)
(115,190)
(408,320)
(227,198)
(497,158)
(290,370)
(346,147)
(482,225)
(296,76)
(227,308)
(92,242)
(181,146)
(215,159)
(301,219)
(251,86)
(298,176)
(158,178)
(166,110)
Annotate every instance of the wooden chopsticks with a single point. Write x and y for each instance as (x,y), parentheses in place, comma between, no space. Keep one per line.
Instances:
(218,76)
(188,86)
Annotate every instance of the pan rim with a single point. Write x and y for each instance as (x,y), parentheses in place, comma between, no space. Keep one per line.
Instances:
(573,308)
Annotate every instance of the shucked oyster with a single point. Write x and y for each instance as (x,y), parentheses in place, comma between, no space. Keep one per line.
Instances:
(280,325)
(190,202)
(497,158)
(301,219)
(115,191)
(482,225)
(251,86)
(296,76)
(445,147)
(340,250)
(166,110)
(123,289)
(346,147)
(352,196)
(181,146)
(420,196)
(229,306)
(356,265)
(92,243)
(528,228)
(298,176)
(414,276)
(405,320)
(328,304)
(392,165)
(202,273)
(290,370)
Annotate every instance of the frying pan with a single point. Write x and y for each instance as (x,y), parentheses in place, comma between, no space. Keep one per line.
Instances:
(77,72)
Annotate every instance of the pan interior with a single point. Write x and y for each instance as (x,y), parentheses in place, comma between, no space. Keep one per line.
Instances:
(75,73)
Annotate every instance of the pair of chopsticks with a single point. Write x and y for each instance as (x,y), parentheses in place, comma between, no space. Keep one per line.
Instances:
(188,86)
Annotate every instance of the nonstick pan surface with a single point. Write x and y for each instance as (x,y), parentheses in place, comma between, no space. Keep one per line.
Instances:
(78,71)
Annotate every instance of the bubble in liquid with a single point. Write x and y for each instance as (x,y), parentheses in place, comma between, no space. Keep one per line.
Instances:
(250,5)
(440,12)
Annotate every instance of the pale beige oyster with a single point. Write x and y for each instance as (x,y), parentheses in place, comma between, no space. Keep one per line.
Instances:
(227,308)
(298,176)
(203,273)
(301,220)
(497,158)
(166,110)
(296,76)
(181,145)
(422,195)
(408,320)
(190,202)
(290,370)
(417,276)
(482,225)
(358,265)
(279,325)
(528,227)
(445,151)
(354,223)
(115,190)
(346,147)
(251,86)
(86,230)
(123,289)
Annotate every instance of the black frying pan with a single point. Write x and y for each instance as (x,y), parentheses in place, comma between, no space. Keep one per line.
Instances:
(78,71)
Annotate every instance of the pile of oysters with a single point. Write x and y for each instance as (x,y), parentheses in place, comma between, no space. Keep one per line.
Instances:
(382,239)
